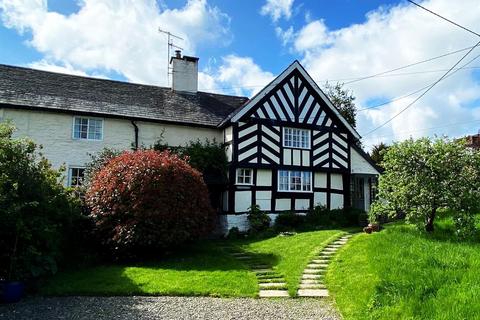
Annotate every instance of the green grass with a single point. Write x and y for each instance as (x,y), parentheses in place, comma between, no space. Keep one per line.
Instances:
(402,273)
(202,269)
(289,255)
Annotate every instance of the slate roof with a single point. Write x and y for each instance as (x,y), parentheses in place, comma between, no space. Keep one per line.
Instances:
(35,89)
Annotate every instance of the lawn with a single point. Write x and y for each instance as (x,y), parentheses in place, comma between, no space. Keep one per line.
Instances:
(402,273)
(205,269)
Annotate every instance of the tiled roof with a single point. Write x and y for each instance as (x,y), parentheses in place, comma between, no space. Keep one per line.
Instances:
(29,88)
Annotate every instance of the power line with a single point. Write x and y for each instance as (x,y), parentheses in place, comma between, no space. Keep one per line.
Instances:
(446,19)
(436,82)
(430,128)
(424,93)
(419,90)
(355,79)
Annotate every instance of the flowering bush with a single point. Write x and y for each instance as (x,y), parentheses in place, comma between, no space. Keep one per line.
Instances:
(145,201)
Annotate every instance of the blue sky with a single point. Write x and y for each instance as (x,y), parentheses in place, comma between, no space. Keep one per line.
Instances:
(242,45)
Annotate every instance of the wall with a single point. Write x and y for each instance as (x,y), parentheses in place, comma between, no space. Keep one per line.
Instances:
(54,132)
(360,165)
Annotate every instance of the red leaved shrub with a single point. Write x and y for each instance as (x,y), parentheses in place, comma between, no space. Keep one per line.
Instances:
(146,201)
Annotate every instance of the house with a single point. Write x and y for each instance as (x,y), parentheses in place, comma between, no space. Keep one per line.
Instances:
(473,141)
(288,147)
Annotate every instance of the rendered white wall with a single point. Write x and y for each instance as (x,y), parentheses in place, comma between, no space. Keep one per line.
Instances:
(360,165)
(54,132)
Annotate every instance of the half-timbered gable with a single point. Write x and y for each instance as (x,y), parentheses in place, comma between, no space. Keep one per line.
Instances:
(290,148)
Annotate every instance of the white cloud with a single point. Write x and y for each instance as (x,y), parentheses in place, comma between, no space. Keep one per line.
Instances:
(277,8)
(394,37)
(236,75)
(120,36)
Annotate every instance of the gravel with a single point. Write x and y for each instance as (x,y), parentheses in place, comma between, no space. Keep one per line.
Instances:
(168,308)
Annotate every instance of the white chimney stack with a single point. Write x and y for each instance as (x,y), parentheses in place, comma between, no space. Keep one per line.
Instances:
(184,73)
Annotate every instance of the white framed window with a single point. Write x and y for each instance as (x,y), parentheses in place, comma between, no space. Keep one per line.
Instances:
(87,128)
(296,138)
(294,181)
(245,176)
(75,176)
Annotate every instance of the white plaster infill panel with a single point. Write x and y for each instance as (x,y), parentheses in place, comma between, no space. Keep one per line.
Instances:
(320,199)
(264,177)
(264,200)
(282,204)
(336,181)
(336,201)
(320,180)
(243,200)
(302,204)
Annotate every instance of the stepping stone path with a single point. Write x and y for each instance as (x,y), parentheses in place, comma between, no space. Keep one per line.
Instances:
(312,279)
(271,283)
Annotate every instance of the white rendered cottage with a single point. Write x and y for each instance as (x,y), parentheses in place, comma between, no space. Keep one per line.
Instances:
(288,148)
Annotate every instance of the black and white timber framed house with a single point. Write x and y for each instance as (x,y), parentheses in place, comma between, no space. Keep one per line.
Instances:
(288,147)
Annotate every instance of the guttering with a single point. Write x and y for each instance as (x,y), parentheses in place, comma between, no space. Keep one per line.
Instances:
(135,128)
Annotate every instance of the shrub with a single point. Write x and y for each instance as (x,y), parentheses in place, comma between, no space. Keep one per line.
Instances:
(289,221)
(97,162)
(258,219)
(346,217)
(145,201)
(35,210)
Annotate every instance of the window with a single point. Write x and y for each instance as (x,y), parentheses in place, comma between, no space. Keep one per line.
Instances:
(297,181)
(76,177)
(244,176)
(87,129)
(296,138)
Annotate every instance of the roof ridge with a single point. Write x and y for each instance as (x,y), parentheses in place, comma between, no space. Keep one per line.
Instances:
(111,80)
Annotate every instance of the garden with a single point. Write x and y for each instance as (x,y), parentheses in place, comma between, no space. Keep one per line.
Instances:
(142,225)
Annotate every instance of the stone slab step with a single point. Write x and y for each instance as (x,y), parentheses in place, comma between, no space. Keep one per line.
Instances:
(273,294)
(330,249)
(313,293)
(313,271)
(320,261)
(311,276)
(243,257)
(317,265)
(272,285)
(312,286)
(326,253)
(309,281)
(271,280)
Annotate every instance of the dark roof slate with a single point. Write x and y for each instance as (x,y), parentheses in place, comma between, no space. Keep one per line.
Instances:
(24,87)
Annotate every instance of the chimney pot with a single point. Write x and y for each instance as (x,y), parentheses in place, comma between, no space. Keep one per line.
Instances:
(178,53)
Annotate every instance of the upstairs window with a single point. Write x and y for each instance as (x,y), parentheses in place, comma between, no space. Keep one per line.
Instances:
(296,181)
(244,176)
(75,178)
(87,128)
(296,138)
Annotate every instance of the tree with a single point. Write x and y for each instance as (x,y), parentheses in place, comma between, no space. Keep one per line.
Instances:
(424,175)
(343,100)
(378,152)
(35,210)
(145,202)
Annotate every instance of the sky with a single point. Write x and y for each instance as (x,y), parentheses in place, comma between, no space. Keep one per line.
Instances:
(242,45)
